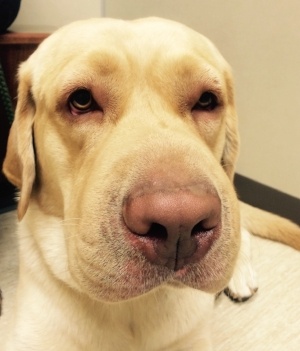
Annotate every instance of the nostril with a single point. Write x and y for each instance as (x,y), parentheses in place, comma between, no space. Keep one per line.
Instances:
(202,228)
(157,231)
(198,229)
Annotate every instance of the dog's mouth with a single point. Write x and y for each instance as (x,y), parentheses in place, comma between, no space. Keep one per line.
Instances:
(134,257)
(136,280)
(144,269)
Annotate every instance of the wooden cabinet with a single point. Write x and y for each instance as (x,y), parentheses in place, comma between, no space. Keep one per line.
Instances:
(15,47)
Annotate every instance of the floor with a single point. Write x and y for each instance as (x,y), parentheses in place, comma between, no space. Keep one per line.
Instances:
(268,322)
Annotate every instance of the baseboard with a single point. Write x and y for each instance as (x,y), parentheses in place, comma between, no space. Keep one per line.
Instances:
(267,198)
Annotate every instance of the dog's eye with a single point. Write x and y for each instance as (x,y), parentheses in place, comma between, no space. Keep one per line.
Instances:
(81,101)
(207,102)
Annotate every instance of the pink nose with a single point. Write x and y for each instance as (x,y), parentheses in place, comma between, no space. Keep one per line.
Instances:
(173,228)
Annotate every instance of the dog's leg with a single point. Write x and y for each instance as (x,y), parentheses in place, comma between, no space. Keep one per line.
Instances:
(270,226)
(243,283)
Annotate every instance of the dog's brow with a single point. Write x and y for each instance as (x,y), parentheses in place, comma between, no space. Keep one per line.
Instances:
(82,80)
(193,67)
(213,83)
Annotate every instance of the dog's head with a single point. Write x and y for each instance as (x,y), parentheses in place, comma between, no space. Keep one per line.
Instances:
(127,133)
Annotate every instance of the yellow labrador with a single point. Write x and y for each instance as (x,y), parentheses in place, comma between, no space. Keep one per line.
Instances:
(124,147)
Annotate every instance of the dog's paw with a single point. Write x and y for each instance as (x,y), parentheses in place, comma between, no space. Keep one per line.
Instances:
(243,283)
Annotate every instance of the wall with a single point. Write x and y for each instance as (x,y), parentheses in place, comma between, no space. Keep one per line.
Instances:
(260,39)
(55,13)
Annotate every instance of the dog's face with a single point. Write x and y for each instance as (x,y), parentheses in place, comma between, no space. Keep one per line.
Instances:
(127,133)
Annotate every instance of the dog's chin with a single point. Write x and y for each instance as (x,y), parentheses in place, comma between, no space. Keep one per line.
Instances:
(139,282)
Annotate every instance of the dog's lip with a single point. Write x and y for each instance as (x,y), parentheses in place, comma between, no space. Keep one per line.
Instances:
(153,275)
(153,279)
(157,276)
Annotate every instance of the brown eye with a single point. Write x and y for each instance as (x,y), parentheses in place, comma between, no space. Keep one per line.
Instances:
(81,101)
(207,102)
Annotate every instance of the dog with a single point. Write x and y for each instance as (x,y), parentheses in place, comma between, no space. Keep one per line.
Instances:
(124,147)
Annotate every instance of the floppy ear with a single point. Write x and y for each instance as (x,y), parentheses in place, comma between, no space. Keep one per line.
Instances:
(19,162)
(232,139)
(231,148)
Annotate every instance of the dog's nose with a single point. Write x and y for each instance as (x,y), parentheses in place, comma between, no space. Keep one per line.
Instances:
(173,228)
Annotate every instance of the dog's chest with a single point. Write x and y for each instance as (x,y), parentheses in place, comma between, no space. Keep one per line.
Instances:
(167,320)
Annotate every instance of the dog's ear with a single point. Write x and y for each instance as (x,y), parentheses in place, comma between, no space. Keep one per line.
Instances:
(232,139)
(19,162)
